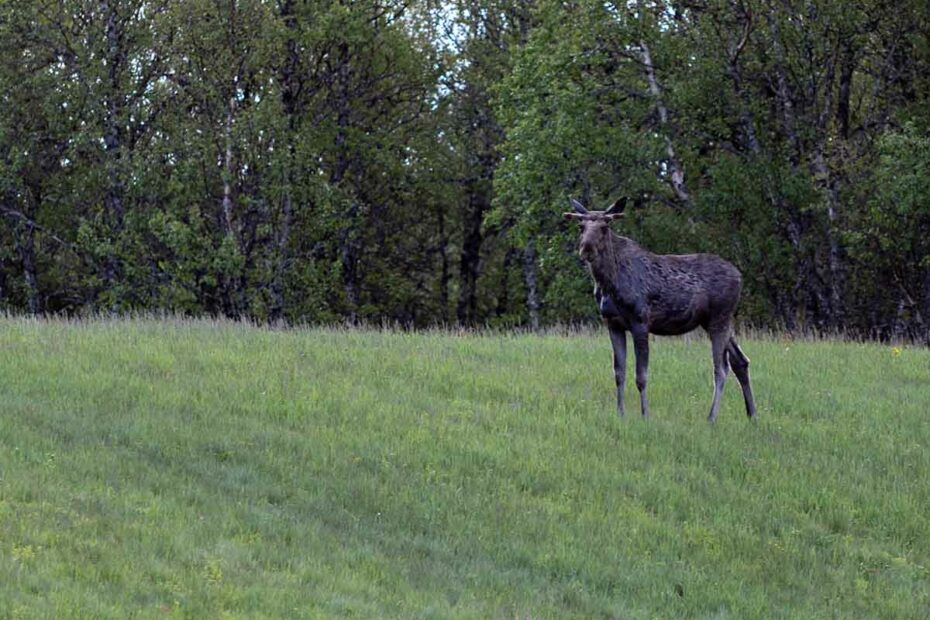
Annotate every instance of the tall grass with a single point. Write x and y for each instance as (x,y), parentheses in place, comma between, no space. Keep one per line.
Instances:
(167,468)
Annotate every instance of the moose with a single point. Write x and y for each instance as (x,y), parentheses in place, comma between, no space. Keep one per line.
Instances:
(643,293)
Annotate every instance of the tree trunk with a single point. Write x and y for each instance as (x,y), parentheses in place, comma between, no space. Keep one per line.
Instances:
(827,183)
(676,171)
(276,312)
(834,259)
(232,307)
(290,88)
(847,69)
(532,288)
(349,258)
(445,274)
(4,295)
(229,172)
(503,295)
(112,140)
(783,93)
(25,246)
(806,293)
(926,305)
(348,237)
(746,119)
(467,308)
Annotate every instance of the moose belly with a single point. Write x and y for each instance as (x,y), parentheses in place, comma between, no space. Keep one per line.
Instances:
(672,319)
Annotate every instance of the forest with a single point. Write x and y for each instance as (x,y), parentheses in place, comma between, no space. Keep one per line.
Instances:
(407,162)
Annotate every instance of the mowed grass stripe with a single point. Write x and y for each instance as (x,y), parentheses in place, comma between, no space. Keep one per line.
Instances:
(201,469)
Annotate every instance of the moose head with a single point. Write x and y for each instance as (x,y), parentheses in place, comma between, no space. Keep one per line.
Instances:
(595,230)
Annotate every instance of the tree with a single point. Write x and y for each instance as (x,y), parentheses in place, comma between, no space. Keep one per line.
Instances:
(395,161)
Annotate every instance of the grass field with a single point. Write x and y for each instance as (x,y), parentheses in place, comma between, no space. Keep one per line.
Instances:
(158,469)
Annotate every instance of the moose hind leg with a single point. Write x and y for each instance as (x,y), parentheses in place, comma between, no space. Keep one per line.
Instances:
(740,364)
(718,346)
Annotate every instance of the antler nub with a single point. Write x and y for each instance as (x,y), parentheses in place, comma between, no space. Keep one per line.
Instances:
(577,206)
(616,209)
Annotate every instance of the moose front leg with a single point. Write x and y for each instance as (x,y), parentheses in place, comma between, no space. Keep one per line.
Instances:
(641,346)
(618,341)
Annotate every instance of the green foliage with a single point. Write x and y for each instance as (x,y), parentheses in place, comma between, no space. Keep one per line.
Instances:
(568,134)
(201,469)
(890,243)
(739,223)
(409,161)
(901,204)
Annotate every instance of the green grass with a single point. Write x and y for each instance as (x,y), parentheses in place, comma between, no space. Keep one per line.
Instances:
(194,469)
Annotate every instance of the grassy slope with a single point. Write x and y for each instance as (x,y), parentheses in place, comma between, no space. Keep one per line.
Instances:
(198,469)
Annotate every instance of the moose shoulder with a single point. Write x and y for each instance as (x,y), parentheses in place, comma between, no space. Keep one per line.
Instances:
(643,293)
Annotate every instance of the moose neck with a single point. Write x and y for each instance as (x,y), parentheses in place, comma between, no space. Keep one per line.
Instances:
(609,261)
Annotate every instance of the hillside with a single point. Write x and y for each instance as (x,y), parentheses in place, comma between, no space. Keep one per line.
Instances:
(200,469)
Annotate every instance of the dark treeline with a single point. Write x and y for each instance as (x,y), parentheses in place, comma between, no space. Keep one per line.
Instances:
(408,160)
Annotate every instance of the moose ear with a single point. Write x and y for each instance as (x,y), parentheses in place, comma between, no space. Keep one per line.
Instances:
(577,206)
(572,216)
(616,209)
